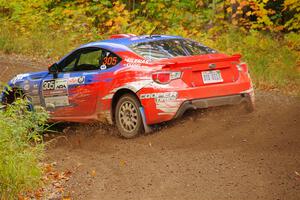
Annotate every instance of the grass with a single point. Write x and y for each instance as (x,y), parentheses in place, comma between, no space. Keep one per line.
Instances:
(40,43)
(21,149)
(274,64)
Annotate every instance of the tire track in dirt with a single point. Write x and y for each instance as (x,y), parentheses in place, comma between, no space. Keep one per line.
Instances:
(216,154)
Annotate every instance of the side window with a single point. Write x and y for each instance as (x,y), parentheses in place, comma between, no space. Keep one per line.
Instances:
(89,59)
(195,48)
(82,60)
(70,66)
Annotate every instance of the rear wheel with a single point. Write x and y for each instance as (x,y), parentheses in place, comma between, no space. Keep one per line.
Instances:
(128,117)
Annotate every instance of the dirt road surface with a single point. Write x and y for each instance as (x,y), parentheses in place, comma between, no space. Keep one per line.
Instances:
(214,154)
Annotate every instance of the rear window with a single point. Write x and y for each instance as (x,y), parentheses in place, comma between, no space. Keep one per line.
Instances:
(155,50)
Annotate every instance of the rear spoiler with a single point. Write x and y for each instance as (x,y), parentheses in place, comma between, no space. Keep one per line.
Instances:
(234,57)
(128,35)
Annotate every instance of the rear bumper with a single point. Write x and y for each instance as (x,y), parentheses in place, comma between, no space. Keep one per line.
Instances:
(166,102)
(213,102)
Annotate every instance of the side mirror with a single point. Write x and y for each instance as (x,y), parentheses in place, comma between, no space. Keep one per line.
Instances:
(53,69)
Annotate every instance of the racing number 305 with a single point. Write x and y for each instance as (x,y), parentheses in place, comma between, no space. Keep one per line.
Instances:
(110,60)
(49,85)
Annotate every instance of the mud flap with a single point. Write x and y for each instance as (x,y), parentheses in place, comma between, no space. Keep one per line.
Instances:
(147,128)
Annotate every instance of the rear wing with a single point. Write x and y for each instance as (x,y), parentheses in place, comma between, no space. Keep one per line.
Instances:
(233,58)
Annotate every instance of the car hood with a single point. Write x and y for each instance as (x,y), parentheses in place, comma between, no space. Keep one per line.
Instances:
(27,76)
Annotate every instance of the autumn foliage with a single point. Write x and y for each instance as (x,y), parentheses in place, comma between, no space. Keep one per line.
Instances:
(259,29)
(96,18)
(266,32)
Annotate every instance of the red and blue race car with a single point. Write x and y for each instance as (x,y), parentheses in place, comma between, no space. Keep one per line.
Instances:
(135,82)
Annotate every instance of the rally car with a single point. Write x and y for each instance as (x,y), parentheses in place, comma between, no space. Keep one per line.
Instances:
(135,82)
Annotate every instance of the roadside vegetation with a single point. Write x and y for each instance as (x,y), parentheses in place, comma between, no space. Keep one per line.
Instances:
(266,32)
(21,149)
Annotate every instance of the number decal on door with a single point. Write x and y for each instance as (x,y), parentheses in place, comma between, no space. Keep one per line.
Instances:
(55,92)
(49,85)
(110,61)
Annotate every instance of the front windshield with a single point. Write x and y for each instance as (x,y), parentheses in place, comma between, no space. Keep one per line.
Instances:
(155,50)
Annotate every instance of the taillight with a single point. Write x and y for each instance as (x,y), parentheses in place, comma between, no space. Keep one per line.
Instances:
(164,77)
(242,67)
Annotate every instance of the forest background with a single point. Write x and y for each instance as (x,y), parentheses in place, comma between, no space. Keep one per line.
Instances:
(265,32)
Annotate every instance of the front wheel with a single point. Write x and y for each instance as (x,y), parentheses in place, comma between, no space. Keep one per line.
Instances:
(128,117)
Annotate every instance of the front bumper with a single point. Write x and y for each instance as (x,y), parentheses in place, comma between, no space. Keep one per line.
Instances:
(213,102)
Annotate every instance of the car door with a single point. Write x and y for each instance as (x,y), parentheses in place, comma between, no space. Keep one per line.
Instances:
(73,91)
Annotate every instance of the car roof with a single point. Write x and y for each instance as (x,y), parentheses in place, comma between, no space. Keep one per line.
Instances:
(122,44)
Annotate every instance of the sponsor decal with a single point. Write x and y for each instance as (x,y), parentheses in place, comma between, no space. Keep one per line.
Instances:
(76,80)
(168,107)
(57,85)
(61,84)
(160,97)
(18,77)
(132,65)
(102,67)
(57,101)
(81,80)
(35,92)
(35,86)
(26,86)
(136,61)
(55,92)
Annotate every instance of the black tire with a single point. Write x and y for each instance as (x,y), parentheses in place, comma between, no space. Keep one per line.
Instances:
(12,95)
(128,117)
